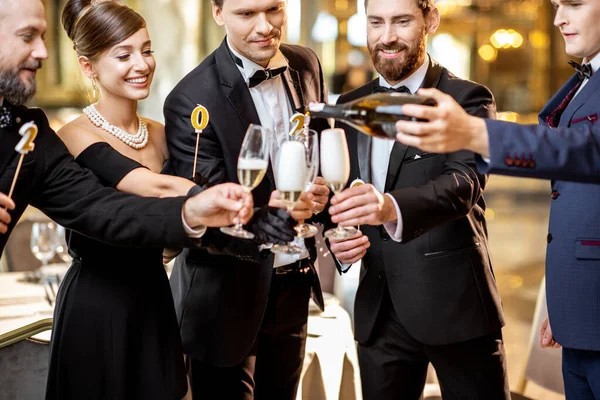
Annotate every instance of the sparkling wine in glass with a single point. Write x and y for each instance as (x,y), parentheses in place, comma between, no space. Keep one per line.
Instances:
(335,169)
(43,241)
(253,162)
(289,165)
(310,139)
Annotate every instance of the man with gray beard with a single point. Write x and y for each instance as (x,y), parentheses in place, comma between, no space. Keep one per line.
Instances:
(52,181)
(427,292)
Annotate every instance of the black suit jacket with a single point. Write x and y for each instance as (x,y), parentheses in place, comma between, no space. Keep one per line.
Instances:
(439,277)
(72,196)
(221,293)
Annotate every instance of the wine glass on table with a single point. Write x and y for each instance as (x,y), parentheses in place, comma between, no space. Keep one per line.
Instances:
(288,157)
(42,242)
(335,169)
(253,162)
(310,139)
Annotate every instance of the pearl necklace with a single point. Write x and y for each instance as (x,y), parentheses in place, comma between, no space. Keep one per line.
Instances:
(137,141)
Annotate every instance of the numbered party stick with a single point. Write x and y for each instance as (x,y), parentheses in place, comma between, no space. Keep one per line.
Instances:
(298,122)
(29,131)
(199,122)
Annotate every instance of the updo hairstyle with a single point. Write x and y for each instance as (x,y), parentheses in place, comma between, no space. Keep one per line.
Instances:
(97,25)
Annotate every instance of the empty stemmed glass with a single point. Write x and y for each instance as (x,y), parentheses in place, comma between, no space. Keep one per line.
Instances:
(335,169)
(253,162)
(42,240)
(310,139)
(288,157)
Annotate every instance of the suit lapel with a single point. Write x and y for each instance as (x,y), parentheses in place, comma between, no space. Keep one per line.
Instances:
(432,79)
(236,90)
(591,88)
(557,99)
(291,82)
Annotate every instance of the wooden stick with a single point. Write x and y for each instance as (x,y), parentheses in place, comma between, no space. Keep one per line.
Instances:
(196,154)
(14,182)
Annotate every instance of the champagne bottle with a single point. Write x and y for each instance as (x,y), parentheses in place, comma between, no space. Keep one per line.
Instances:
(375,114)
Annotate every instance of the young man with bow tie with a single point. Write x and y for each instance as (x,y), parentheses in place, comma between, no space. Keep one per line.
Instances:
(565,147)
(243,322)
(427,292)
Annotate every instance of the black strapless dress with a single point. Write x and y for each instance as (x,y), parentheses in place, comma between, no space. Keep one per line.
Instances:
(115,334)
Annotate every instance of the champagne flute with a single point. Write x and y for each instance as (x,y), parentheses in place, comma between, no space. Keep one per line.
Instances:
(310,139)
(42,241)
(253,162)
(335,169)
(289,164)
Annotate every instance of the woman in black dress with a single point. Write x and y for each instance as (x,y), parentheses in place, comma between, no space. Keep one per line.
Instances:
(115,334)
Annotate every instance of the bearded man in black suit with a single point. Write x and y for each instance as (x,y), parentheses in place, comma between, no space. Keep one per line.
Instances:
(243,322)
(427,291)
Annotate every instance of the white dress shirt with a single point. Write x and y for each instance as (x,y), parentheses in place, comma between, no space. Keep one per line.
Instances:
(595,64)
(381,150)
(274,111)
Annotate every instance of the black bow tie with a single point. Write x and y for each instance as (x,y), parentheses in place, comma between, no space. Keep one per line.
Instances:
(261,75)
(265,74)
(583,70)
(383,89)
(5,116)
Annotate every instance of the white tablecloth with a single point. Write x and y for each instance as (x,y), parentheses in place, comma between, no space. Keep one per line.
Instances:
(22,303)
(330,368)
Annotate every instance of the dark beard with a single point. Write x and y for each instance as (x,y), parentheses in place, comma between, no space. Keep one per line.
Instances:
(397,70)
(12,87)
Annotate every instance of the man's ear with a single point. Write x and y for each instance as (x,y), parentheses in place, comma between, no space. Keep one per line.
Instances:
(433,20)
(217,14)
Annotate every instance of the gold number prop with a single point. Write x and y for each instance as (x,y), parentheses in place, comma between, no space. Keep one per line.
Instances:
(29,132)
(297,120)
(199,118)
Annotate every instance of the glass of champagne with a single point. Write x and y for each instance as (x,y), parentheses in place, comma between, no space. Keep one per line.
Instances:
(43,241)
(289,165)
(310,139)
(253,162)
(335,169)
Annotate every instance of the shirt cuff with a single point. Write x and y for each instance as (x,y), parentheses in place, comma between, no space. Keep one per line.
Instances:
(195,233)
(343,267)
(394,229)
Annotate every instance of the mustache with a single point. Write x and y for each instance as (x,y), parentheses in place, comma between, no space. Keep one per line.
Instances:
(33,65)
(399,47)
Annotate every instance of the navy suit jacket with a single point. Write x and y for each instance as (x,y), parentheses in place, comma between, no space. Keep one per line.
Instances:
(568,153)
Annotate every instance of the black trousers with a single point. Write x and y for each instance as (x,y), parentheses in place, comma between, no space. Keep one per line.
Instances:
(393,364)
(272,369)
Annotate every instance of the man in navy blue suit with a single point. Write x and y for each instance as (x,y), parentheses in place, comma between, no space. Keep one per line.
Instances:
(565,147)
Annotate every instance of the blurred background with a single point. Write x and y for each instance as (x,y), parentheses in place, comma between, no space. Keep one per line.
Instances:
(511,46)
